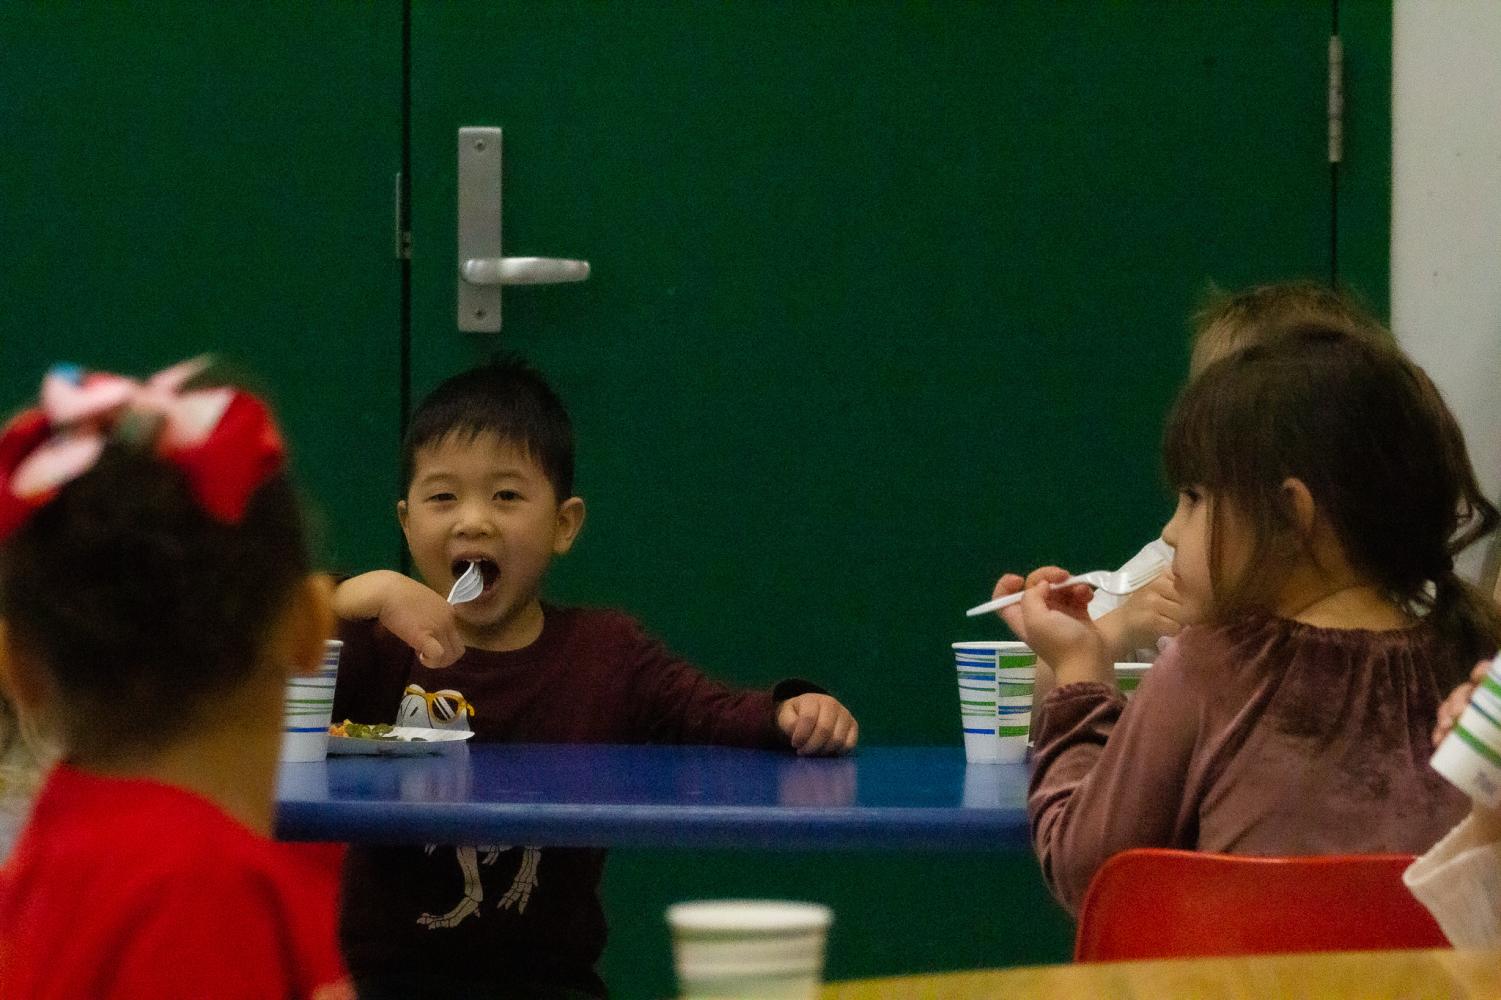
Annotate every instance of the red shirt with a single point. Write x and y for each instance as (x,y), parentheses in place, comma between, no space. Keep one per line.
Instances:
(133,888)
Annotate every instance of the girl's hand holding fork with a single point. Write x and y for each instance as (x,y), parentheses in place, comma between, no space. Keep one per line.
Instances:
(1056,624)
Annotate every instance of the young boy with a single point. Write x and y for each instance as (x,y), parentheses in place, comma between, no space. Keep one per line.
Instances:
(488,466)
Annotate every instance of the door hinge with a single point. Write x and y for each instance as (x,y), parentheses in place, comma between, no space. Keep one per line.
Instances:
(403,237)
(1336,100)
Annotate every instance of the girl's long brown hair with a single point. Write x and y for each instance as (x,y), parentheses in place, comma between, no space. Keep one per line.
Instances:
(1369,435)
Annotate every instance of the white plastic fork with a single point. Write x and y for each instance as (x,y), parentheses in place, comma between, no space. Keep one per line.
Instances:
(468,586)
(1119,583)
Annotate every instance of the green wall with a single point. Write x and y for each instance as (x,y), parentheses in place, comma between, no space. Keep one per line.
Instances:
(180,179)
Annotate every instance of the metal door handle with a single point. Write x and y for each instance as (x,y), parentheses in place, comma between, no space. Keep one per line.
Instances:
(523,270)
(482,267)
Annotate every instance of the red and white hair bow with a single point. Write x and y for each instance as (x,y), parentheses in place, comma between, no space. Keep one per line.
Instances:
(224,440)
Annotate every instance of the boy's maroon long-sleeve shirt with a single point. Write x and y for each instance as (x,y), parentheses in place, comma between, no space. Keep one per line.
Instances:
(509,915)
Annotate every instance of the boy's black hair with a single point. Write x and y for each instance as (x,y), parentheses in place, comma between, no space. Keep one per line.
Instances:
(140,607)
(507,398)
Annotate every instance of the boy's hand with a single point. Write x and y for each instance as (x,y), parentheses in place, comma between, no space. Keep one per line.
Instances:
(816,724)
(424,621)
(1144,617)
(412,612)
(1058,628)
(1452,707)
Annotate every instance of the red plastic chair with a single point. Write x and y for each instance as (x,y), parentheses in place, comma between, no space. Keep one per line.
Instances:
(1159,903)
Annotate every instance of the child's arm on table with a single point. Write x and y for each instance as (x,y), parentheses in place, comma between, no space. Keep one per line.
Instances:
(817,725)
(672,701)
(412,612)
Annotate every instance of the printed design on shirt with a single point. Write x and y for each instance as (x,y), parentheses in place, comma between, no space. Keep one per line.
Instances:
(518,895)
(450,710)
(446,709)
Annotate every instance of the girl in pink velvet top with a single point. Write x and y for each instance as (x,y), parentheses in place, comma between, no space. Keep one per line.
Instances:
(1323,490)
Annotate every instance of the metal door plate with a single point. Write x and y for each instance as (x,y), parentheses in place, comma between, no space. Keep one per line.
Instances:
(479,225)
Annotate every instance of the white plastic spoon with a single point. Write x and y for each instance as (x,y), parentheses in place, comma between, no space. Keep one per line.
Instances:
(469,586)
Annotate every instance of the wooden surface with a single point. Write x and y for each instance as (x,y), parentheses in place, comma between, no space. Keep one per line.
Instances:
(1405,974)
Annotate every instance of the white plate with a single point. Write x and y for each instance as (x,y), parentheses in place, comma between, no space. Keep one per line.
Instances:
(409,740)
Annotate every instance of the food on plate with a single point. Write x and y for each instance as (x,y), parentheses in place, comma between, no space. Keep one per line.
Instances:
(363,731)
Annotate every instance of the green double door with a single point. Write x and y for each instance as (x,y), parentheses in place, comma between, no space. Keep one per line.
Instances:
(885,299)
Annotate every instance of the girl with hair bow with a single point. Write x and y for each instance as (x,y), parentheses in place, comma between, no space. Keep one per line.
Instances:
(155,593)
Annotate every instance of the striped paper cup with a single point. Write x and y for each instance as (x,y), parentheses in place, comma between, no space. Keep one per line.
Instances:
(996,681)
(1470,756)
(308,709)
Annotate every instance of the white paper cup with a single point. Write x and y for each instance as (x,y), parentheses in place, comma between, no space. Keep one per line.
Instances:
(749,949)
(308,709)
(996,682)
(1128,676)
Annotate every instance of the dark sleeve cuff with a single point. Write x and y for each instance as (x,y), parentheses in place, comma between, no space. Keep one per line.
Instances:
(792,687)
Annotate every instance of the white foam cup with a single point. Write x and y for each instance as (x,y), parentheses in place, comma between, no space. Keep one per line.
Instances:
(749,949)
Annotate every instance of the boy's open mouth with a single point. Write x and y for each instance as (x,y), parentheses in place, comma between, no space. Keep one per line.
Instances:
(487,568)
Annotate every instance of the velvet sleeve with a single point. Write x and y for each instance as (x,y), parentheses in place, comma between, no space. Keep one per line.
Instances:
(1108,776)
(675,702)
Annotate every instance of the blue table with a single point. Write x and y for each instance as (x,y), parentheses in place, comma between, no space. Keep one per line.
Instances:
(917,798)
